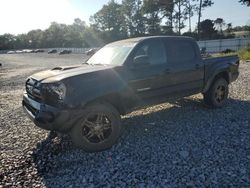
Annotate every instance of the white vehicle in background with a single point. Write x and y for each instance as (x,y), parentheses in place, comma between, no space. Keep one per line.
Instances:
(19,51)
(11,52)
(27,51)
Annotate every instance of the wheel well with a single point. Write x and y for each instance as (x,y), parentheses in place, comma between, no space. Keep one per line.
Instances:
(113,99)
(222,75)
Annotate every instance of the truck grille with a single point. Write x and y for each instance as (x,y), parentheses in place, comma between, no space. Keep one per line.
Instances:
(32,90)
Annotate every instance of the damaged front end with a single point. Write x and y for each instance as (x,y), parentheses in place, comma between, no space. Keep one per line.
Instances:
(44,104)
(53,93)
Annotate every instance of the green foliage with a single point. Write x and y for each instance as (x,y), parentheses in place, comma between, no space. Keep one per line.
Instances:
(57,35)
(241,28)
(134,18)
(152,11)
(207,30)
(7,41)
(181,14)
(114,21)
(130,18)
(245,53)
(167,10)
(110,22)
(246,2)
(202,5)
(191,34)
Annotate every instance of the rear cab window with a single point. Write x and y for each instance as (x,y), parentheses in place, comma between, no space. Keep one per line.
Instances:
(180,52)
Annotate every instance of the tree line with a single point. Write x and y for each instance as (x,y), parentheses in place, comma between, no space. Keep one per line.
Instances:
(130,18)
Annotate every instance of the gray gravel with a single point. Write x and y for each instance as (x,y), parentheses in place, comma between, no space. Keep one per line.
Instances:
(176,144)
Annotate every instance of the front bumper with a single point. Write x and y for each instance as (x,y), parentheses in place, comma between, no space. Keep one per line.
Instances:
(48,117)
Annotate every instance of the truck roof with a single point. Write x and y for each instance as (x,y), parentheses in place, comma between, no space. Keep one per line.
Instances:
(140,39)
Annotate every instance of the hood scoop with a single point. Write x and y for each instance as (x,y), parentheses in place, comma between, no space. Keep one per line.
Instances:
(64,68)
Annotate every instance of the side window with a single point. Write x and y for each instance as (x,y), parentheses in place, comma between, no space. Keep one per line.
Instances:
(180,52)
(155,50)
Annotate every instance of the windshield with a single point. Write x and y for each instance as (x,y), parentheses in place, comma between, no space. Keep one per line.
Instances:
(108,55)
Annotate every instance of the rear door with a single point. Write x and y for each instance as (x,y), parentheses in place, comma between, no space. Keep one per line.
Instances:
(185,71)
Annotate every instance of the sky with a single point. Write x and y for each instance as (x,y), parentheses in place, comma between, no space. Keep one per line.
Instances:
(21,16)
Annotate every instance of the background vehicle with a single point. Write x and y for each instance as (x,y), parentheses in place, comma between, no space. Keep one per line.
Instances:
(65,52)
(87,100)
(18,51)
(27,51)
(91,51)
(11,52)
(38,50)
(52,51)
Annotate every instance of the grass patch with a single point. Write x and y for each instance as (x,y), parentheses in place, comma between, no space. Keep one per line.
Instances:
(243,54)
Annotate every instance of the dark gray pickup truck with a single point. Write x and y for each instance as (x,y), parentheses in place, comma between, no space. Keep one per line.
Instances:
(87,100)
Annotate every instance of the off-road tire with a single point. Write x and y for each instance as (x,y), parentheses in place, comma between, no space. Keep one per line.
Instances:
(217,94)
(111,114)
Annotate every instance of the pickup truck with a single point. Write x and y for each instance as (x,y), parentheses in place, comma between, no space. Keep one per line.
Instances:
(87,100)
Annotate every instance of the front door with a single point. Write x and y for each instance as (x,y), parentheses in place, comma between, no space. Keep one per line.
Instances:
(142,79)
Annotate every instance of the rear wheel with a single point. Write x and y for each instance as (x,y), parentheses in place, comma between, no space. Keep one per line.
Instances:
(217,94)
(98,129)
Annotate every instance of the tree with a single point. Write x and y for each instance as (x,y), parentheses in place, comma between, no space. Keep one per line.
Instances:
(219,23)
(110,22)
(167,11)
(21,42)
(77,34)
(228,31)
(229,28)
(134,19)
(91,38)
(181,14)
(74,34)
(152,11)
(34,38)
(246,2)
(178,11)
(207,30)
(202,5)
(7,41)
(54,36)
(191,8)
(241,28)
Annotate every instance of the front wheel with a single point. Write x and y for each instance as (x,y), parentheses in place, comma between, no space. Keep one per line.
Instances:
(98,129)
(217,94)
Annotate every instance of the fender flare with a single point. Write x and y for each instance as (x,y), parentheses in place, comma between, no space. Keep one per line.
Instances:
(210,81)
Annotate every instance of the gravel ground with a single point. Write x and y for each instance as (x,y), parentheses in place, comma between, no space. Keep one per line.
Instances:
(177,144)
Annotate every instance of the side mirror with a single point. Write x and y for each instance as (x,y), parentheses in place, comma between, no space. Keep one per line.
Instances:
(140,61)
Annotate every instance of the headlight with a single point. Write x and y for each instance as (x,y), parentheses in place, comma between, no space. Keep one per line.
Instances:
(56,89)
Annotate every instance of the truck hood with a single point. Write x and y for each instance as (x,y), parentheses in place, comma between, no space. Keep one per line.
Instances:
(62,72)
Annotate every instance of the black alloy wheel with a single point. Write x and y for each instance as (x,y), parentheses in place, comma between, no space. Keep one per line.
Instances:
(217,94)
(98,129)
